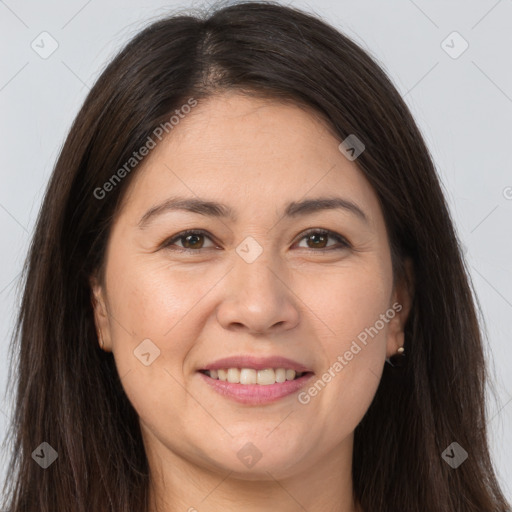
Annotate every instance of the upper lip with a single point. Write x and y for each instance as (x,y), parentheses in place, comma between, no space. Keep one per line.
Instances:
(258,363)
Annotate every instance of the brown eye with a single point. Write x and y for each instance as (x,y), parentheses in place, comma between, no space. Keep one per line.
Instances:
(317,239)
(192,240)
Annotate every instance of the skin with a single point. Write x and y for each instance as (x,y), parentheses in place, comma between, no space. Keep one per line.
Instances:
(296,300)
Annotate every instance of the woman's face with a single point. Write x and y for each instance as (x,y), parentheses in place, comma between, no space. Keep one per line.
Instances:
(254,284)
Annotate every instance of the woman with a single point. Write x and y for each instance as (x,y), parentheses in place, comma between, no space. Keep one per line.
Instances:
(190,339)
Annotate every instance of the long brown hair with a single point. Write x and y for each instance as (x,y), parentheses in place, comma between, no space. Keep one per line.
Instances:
(68,392)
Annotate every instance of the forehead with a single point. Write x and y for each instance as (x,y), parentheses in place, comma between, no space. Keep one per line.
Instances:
(251,153)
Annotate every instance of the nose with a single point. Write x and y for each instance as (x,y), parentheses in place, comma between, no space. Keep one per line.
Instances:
(258,298)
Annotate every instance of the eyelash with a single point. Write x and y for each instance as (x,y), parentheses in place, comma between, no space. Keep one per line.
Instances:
(344,243)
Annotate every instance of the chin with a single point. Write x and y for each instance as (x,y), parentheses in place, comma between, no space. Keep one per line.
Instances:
(254,461)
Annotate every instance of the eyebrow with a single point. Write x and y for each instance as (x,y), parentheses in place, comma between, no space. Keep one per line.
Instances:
(219,210)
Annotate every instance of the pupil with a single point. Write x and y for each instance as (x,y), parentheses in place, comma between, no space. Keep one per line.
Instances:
(316,238)
(187,240)
(314,235)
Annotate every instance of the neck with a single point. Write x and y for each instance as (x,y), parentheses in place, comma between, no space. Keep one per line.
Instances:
(323,484)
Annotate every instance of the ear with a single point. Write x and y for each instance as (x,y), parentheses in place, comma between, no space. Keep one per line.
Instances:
(101,319)
(401,303)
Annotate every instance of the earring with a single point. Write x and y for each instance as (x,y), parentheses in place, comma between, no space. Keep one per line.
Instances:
(397,359)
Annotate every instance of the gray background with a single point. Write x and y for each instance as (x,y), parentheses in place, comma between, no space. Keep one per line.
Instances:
(462,103)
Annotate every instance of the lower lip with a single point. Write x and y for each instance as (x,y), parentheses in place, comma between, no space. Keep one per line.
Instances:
(255,394)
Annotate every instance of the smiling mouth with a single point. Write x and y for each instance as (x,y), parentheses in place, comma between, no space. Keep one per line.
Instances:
(248,376)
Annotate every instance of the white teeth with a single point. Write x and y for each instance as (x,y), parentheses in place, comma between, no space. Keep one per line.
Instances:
(267,376)
(290,374)
(248,376)
(281,375)
(234,375)
(251,376)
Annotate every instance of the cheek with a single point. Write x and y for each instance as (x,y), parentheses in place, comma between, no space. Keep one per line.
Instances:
(348,300)
(353,343)
(155,304)
(153,300)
